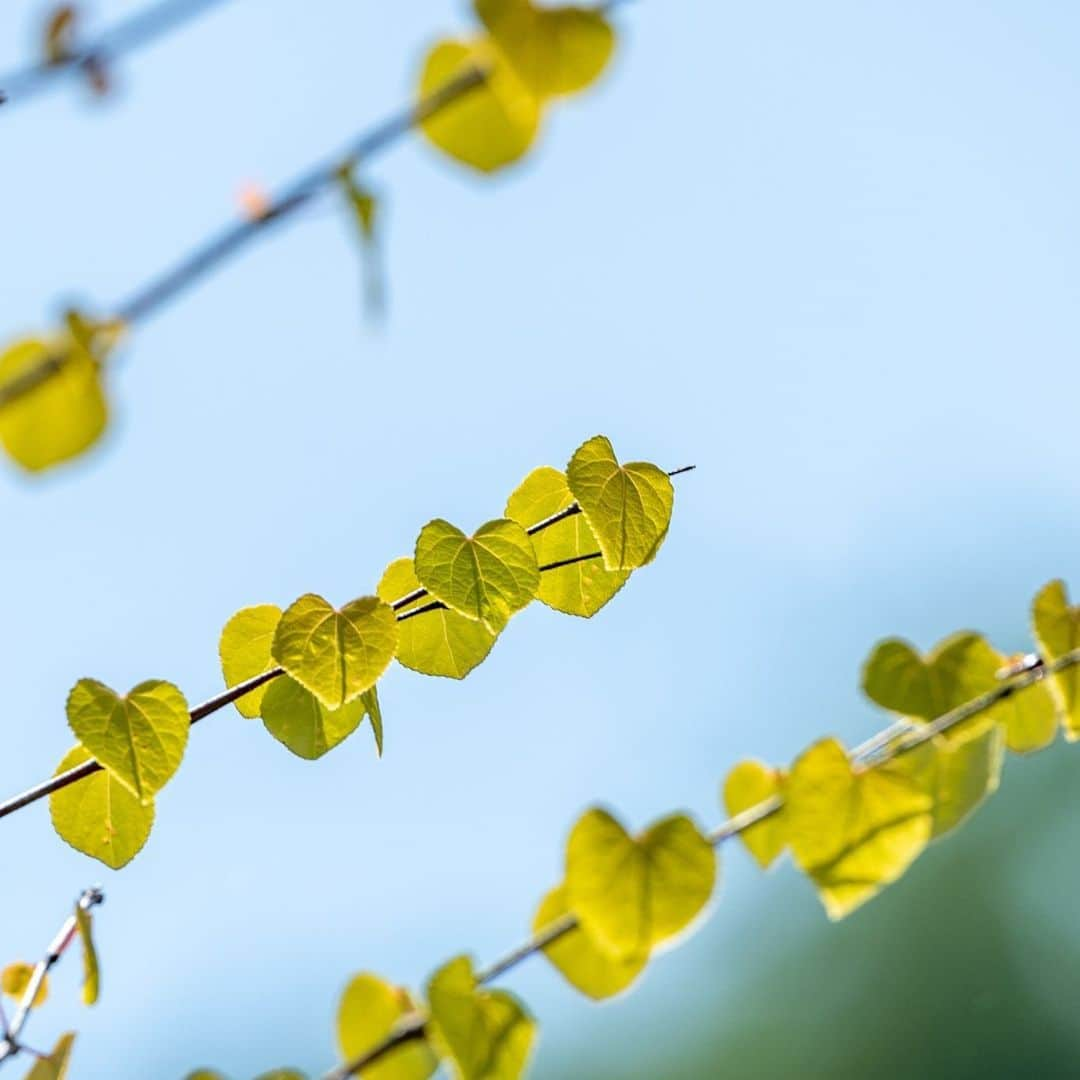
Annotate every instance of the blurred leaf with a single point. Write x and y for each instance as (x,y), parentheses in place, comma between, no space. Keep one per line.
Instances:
(91,971)
(747,785)
(55,1065)
(205,1074)
(337,655)
(139,738)
(366,211)
(301,722)
(628,507)
(99,816)
(282,1074)
(368,1010)
(1057,631)
(245,651)
(15,978)
(584,964)
(439,642)
(487,1033)
(58,45)
(488,576)
(633,893)
(967,770)
(582,588)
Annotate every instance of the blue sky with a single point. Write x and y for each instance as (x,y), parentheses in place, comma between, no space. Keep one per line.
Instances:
(828,253)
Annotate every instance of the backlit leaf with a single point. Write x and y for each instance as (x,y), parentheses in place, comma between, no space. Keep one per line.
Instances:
(966,771)
(438,642)
(139,738)
(99,816)
(1056,624)
(488,576)
(370,698)
(301,722)
(91,987)
(628,507)
(631,893)
(55,1065)
(747,785)
(15,978)
(245,651)
(337,655)
(582,588)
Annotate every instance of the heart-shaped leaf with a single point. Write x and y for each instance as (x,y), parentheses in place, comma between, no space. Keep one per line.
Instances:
(487,1033)
(337,655)
(245,648)
(965,771)
(631,893)
(552,50)
(747,785)
(1056,623)
(54,1066)
(494,123)
(91,969)
(99,816)
(15,979)
(582,588)
(301,722)
(368,1010)
(139,738)
(487,576)
(628,507)
(854,830)
(956,670)
(584,964)
(436,642)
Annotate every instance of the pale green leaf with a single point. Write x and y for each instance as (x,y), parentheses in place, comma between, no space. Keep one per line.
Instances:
(1056,623)
(368,1010)
(966,771)
(245,652)
(301,722)
(370,699)
(91,987)
(747,785)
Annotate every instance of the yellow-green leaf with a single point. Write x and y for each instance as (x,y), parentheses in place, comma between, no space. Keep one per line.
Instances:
(1056,623)
(91,987)
(631,893)
(370,698)
(854,830)
(487,1033)
(437,642)
(584,964)
(368,1010)
(337,655)
(282,1074)
(15,978)
(301,722)
(366,212)
(628,507)
(139,738)
(487,576)
(63,414)
(245,651)
(582,588)
(205,1074)
(55,1065)
(494,123)
(99,816)
(747,785)
(966,770)
(552,50)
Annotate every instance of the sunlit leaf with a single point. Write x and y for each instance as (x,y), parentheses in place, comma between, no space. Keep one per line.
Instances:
(139,738)
(1056,624)
(487,1033)
(55,1065)
(370,699)
(99,816)
(747,785)
(966,771)
(245,651)
(487,576)
(301,722)
(494,123)
(337,655)
(581,588)
(368,1010)
(282,1074)
(91,987)
(632,893)
(205,1074)
(15,978)
(587,966)
(628,507)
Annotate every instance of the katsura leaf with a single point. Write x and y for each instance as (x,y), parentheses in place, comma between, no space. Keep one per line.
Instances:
(1056,624)
(967,770)
(91,987)
(301,722)
(370,699)
(747,785)
(245,651)
(55,1065)
(15,979)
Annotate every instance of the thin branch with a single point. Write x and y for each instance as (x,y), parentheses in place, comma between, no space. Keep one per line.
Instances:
(234,693)
(893,741)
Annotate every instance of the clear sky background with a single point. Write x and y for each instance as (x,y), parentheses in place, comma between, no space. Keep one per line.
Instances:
(826,252)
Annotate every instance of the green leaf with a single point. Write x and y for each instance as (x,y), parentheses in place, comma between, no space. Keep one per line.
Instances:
(368,1010)
(61,416)
(854,830)
(337,655)
(205,1074)
(584,963)
(439,642)
(582,588)
(91,987)
(966,771)
(1056,623)
(15,978)
(487,1033)
(282,1074)
(301,722)
(552,50)
(370,698)
(99,816)
(747,785)
(55,1065)
(628,507)
(493,124)
(488,576)
(956,670)
(245,652)
(633,893)
(365,211)
(139,738)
